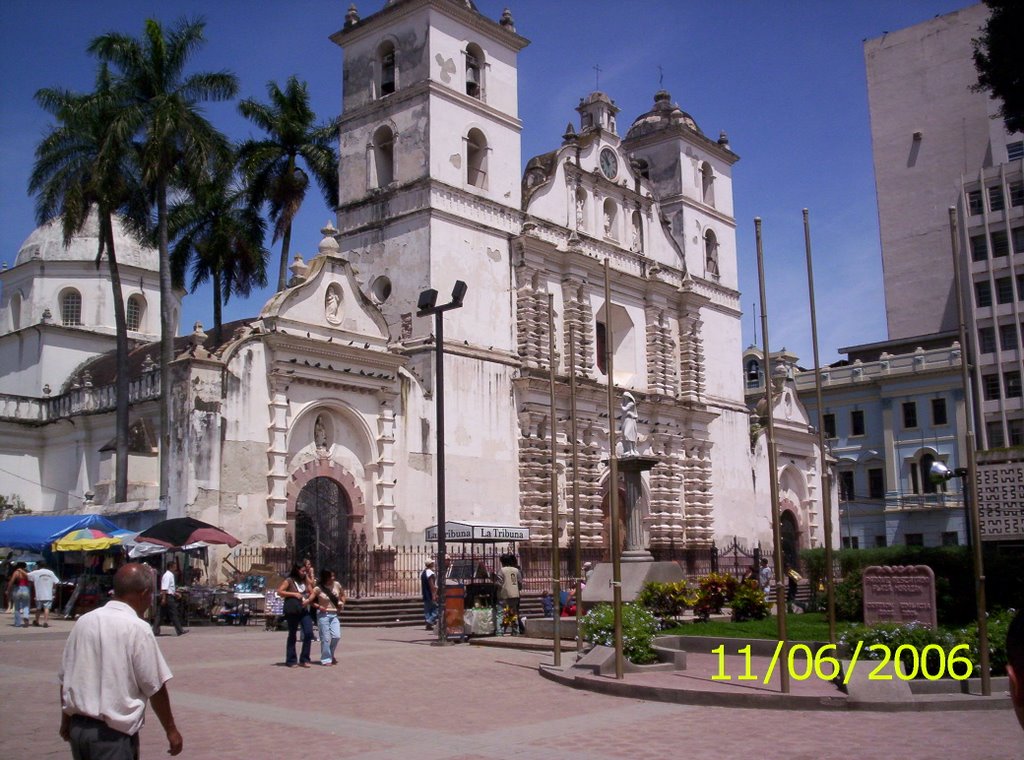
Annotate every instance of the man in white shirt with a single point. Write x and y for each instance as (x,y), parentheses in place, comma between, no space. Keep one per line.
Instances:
(43,580)
(110,668)
(168,601)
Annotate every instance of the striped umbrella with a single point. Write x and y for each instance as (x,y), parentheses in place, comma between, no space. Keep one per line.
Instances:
(85,540)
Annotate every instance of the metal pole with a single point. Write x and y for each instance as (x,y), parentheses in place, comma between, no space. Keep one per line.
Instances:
(613,475)
(553,433)
(970,482)
(578,570)
(826,469)
(773,472)
(442,569)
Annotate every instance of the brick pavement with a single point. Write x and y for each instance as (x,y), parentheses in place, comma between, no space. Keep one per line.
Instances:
(393,695)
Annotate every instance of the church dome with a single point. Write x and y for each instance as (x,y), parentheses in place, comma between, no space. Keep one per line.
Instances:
(664,115)
(46,243)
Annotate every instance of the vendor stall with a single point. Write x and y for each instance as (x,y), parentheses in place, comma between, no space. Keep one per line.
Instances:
(471,588)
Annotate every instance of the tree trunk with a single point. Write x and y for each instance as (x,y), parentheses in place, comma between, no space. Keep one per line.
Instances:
(166,339)
(286,241)
(121,382)
(217,315)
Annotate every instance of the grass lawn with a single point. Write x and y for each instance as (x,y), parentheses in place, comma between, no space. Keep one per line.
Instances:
(812,626)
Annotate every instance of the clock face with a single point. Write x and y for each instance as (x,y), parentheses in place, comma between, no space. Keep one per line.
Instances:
(609,163)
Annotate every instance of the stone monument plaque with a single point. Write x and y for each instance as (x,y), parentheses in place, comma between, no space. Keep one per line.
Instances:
(899,594)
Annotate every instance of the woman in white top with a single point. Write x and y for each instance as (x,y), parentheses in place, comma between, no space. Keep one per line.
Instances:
(296,587)
(330,598)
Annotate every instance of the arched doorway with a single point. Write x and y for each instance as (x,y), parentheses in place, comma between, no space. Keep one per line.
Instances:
(323,516)
(790,535)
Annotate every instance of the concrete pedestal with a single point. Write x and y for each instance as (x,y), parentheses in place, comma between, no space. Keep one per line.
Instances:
(634,576)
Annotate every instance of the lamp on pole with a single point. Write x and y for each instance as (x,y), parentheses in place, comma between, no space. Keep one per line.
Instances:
(427,305)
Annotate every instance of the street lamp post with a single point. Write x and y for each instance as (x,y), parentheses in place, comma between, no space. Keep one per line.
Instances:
(427,305)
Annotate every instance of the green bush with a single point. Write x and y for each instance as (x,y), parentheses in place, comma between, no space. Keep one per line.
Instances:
(894,635)
(639,627)
(749,603)
(667,601)
(998,626)
(850,598)
(714,591)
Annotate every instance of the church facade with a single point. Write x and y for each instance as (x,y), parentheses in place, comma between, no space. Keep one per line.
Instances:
(316,417)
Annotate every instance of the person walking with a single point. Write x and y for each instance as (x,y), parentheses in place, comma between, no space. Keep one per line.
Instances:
(511,580)
(766,576)
(428,588)
(43,580)
(298,597)
(110,668)
(330,598)
(168,601)
(17,591)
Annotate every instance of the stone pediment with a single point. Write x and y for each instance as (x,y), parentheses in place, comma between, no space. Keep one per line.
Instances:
(328,302)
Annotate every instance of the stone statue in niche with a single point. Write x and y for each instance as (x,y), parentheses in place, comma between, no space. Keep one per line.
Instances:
(332,304)
(581,203)
(607,223)
(628,423)
(320,438)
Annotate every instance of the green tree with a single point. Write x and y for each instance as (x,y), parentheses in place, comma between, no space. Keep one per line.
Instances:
(160,105)
(220,234)
(999,60)
(271,165)
(85,165)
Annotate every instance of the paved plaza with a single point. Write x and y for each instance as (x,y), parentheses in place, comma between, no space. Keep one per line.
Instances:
(393,695)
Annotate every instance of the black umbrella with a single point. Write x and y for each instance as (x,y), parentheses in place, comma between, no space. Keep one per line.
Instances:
(181,531)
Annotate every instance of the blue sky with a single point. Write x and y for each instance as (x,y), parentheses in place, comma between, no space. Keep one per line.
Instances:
(785,79)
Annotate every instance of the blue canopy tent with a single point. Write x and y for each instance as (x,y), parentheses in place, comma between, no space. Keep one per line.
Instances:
(37,532)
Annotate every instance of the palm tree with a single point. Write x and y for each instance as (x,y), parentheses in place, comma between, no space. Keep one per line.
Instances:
(85,165)
(161,106)
(271,164)
(221,235)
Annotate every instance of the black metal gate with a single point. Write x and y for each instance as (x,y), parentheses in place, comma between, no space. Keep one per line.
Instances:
(322,520)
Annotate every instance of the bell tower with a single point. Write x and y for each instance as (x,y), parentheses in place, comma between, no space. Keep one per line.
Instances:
(430,161)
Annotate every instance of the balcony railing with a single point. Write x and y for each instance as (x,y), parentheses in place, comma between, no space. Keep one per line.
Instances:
(77,401)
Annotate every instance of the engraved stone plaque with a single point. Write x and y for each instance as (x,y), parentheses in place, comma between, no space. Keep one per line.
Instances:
(899,594)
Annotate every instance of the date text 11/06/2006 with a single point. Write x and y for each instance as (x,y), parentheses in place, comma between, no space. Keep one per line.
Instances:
(932,662)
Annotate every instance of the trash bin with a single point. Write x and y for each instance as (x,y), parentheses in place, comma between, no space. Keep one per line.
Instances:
(454,609)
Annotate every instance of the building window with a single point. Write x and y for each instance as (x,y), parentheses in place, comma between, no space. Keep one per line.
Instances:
(994,435)
(474,71)
(876,483)
(851,542)
(1000,244)
(986,339)
(707,184)
(1017,234)
(601,347)
(1012,381)
(15,307)
(753,373)
(995,198)
(909,415)
(133,313)
(1016,430)
(711,253)
(927,486)
(950,538)
(914,539)
(830,425)
(979,248)
(1017,193)
(1008,337)
(383,157)
(476,158)
(846,492)
(880,542)
(990,387)
(974,202)
(1004,290)
(71,307)
(939,412)
(1015,150)
(982,294)
(857,422)
(386,55)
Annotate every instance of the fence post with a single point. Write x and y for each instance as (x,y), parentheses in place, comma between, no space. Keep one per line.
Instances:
(714,557)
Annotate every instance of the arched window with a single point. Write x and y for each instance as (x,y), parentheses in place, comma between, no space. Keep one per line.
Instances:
(386,57)
(707,186)
(610,211)
(711,254)
(133,313)
(474,71)
(636,245)
(753,373)
(383,157)
(476,158)
(71,307)
(15,307)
